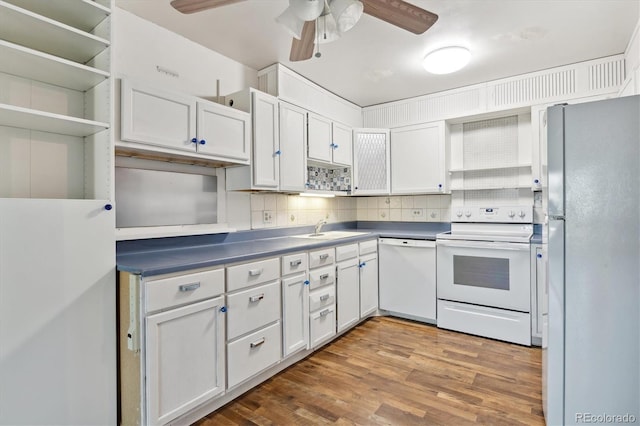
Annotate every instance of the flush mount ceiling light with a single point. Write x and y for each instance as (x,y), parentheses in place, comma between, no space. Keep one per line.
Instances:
(446,60)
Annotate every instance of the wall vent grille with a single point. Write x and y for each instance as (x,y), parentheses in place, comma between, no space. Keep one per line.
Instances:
(537,87)
(606,75)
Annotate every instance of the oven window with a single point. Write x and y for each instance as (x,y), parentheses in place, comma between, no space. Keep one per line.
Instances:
(486,272)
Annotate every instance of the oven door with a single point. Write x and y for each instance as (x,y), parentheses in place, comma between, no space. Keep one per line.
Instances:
(485,273)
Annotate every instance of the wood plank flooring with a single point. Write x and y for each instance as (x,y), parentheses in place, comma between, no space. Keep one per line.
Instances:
(388,371)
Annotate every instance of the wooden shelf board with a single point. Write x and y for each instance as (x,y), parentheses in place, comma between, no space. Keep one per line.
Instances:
(81,14)
(26,118)
(34,65)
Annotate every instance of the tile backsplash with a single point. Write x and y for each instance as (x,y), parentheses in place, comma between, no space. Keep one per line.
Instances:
(281,210)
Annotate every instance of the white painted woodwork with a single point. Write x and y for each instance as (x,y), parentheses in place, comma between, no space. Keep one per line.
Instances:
(322,297)
(266,140)
(322,326)
(368,284)
(367,247)
(253,353)
(371,161)
(185,359)
(348,293)
(295,314)
(252,308)
(182,289)
(539,294)
(325,256)
(418,161)
(252,273)
(346,252)
(320,140)
(57,312)
(293,141)
(322,276)
(82,14)
(226,132)
(27,118)
(157,117)
(343,144)
(294,263)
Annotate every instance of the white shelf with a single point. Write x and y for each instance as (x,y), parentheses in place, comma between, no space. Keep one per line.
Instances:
(34,65)
(26,118)
(478,169)
(488,188)
(81,14)
(31,30)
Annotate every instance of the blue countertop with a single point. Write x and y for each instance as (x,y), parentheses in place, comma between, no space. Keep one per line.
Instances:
(167,255)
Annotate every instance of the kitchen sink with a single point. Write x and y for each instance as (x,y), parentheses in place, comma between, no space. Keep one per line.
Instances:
(330,235)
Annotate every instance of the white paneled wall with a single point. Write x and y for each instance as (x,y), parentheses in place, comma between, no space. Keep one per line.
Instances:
(405,208)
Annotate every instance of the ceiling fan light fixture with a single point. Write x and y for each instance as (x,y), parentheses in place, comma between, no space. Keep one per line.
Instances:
(307,10)
(346,13)
(291,23)
(446,60)
(327,29)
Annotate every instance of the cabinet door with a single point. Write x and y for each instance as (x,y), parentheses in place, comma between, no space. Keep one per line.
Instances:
(223,132)
(293,140)
(342,144)
(295,314)
(541,292)
(185,359)
(370,162)
(266,142)
(159,118)
(348,297)
(320,140)
(417,159)
(368,284)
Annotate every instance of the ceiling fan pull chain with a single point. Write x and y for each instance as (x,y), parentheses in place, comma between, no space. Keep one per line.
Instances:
(318,54)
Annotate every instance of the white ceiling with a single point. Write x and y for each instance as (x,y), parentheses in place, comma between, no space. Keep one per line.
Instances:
(376,62)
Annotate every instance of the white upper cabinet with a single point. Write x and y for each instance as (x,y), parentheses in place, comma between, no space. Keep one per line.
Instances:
(266,140)
(371,162)
(329,142)
(418,159)
(183,124)
(293,140)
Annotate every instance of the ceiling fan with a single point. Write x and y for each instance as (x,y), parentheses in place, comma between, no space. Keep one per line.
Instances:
(313,22)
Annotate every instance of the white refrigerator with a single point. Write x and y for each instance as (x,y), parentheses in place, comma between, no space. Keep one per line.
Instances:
(591,344)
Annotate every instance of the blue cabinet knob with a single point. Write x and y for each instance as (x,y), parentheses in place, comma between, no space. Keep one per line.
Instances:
(539,255)
(278,152)
(536,181)
(108,206)
(306,282)
(335,145)
(223,309)
(202,142)
(194,140)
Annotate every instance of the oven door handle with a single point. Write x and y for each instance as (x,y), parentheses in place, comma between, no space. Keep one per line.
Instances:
(485,244)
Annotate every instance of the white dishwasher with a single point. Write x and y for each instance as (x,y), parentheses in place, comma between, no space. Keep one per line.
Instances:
(408,278)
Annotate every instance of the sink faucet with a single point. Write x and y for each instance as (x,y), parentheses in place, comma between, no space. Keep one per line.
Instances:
(319,226)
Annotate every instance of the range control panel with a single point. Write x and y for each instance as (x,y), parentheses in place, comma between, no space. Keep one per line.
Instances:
(496,214)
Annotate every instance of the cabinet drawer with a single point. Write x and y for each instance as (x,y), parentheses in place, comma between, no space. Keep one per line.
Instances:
(248,274)
(367,247)
(321,257)
(252,308)
(322,276)
(322,297)
(346,252)
(323,325)
(252,354)
(168,292)
(294,263)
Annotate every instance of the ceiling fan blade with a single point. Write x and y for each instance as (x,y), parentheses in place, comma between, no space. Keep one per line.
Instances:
(193,6)
(303,49)
(401,14)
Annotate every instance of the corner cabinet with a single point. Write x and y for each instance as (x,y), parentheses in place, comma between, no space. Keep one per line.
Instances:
(419,159)
(166,123)
(371,159)
(56,214)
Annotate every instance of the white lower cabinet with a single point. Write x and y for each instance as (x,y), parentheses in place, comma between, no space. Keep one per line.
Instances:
(368,277)
(295,314)
(322,311)
(249,355)
(348,286)
(252,308)
(185,359)
(323,325)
